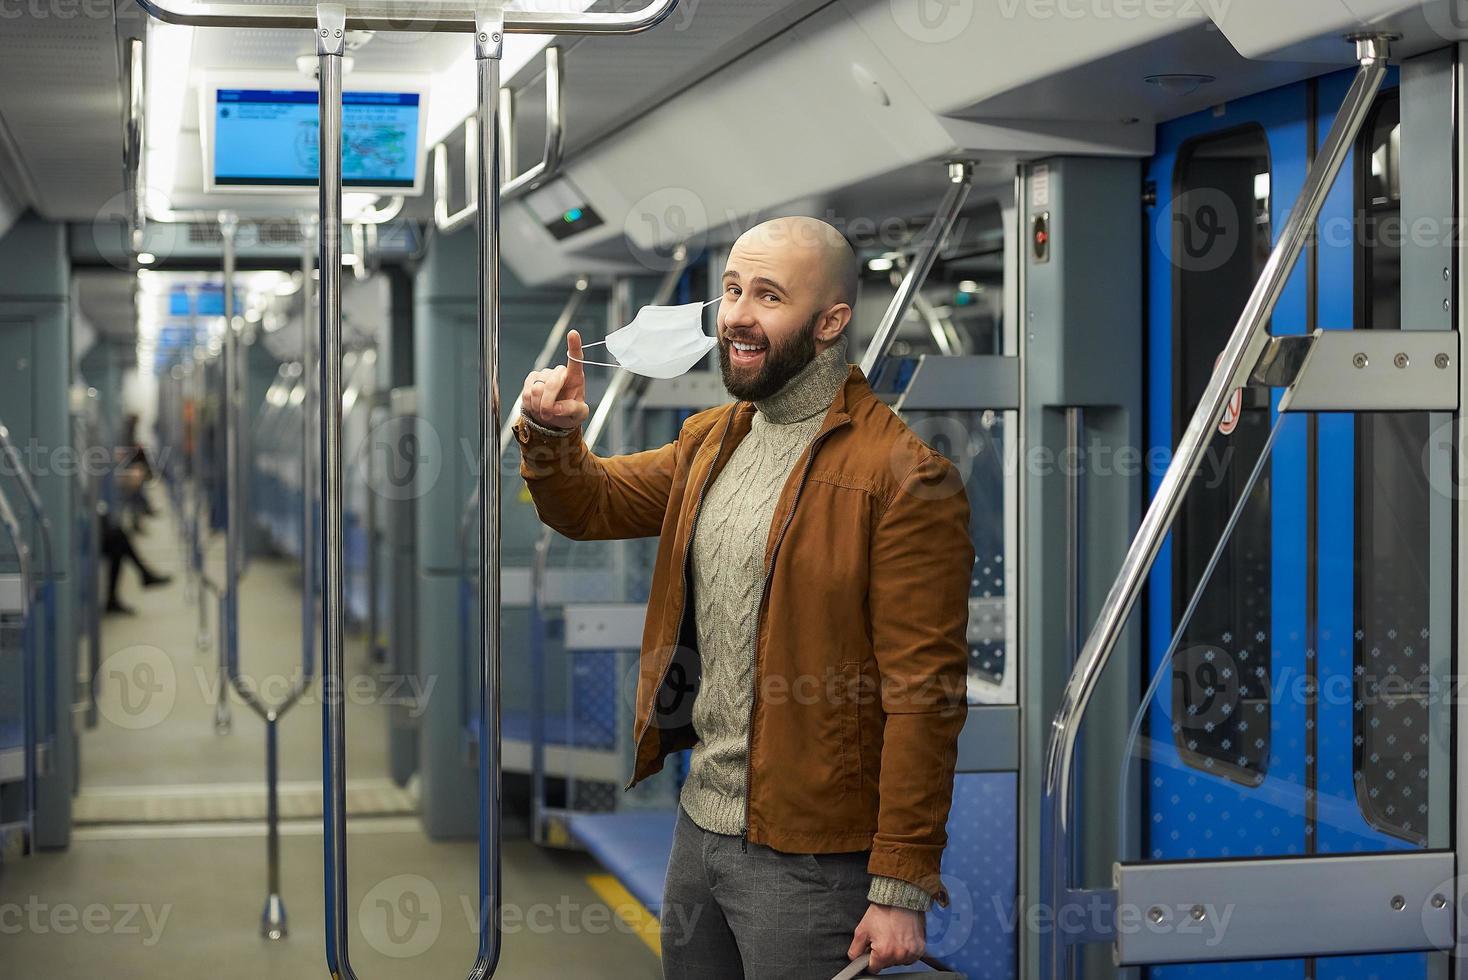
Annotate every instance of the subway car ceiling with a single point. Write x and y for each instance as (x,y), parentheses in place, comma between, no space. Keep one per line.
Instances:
(683,133)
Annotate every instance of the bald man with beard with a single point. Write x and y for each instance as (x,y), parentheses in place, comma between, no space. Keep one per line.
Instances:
(806,630)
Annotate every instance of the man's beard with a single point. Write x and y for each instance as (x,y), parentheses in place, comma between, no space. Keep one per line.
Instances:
(782,362)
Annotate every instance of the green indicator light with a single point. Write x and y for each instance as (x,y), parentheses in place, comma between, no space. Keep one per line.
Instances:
(572,215)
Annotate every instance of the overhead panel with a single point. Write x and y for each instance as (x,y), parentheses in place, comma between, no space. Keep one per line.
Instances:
(61,107)
(815,108)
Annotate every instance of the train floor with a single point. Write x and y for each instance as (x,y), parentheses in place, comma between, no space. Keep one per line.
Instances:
(166,872)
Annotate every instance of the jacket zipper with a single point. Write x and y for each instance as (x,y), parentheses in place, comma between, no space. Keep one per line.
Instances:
(682,613)
(759,602)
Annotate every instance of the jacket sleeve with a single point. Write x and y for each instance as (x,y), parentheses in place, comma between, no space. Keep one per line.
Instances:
(585,496)
(921,562)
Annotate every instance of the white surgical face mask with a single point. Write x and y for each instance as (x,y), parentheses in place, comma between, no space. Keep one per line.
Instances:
(660,342)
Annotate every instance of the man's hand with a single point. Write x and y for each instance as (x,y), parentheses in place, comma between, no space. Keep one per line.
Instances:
(895,937)
(556,397)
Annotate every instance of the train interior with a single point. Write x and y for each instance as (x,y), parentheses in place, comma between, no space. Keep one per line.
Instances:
(1174,283)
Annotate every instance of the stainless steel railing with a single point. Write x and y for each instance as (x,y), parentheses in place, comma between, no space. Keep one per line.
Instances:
(1245,344)
(488,21)
(30,737)
(549,163)
(930,243)
(42,588)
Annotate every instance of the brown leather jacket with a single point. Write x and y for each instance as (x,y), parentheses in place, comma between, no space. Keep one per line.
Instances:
(861,650)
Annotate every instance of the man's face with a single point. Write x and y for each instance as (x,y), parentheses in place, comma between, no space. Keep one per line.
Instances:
(768,319)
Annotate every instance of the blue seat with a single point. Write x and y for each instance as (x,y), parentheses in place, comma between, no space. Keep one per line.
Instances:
(634,847)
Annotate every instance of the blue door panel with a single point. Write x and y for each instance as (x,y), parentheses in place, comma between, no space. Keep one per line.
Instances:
(1191,813)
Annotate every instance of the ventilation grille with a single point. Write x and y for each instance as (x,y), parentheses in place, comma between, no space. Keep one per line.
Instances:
(269,233)
(204,234)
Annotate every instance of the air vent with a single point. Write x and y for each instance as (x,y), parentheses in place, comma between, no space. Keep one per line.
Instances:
(202,233)
(277,232)
(270,233)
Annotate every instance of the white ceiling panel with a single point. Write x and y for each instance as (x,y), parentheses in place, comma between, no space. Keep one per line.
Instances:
(61,104)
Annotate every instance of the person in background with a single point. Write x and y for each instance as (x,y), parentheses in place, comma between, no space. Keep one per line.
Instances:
(132,457)
(117,544)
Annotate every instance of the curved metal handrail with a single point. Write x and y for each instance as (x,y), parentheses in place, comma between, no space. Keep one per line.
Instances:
(442,16)
(930,243)
(579,291)
(46,591)
(11,524)
(1232,371)
(489,22)
(549,164)
(273,921)
(443,220)
(555,131)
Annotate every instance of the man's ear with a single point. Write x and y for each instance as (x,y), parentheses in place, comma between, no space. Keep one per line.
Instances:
(832,323)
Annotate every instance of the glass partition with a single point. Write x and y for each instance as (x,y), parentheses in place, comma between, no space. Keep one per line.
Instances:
(1300,717)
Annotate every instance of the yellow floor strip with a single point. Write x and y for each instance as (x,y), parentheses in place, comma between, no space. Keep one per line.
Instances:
(644,924)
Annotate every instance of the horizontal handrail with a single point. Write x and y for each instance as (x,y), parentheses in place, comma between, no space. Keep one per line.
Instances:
(443,16)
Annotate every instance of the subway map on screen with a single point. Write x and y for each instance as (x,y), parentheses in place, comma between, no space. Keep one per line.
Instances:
(270,137)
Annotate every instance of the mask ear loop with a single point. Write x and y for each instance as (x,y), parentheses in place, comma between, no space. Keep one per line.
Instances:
(609,364)
(580,360)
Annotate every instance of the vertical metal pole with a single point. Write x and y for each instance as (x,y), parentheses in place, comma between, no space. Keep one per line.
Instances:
(273,921)
(232,490)
(228,600)
(1074,531)
(376,651)
(330,44)
(310,422)
(489,28)
(196,467)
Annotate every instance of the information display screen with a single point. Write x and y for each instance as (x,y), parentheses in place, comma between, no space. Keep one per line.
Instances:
(269,138)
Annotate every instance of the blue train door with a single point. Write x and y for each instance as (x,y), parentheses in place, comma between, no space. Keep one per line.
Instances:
(1282,721)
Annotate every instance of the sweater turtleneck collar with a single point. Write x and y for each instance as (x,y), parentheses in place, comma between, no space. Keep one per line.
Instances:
(811,391)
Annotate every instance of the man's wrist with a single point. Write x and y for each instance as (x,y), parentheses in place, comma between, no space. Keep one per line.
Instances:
(547,430)
(898,894)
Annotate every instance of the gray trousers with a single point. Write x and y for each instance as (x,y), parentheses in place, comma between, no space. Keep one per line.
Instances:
(732,914)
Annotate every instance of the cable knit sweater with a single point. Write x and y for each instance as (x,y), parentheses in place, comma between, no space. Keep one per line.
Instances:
(728,575)
(728,579)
